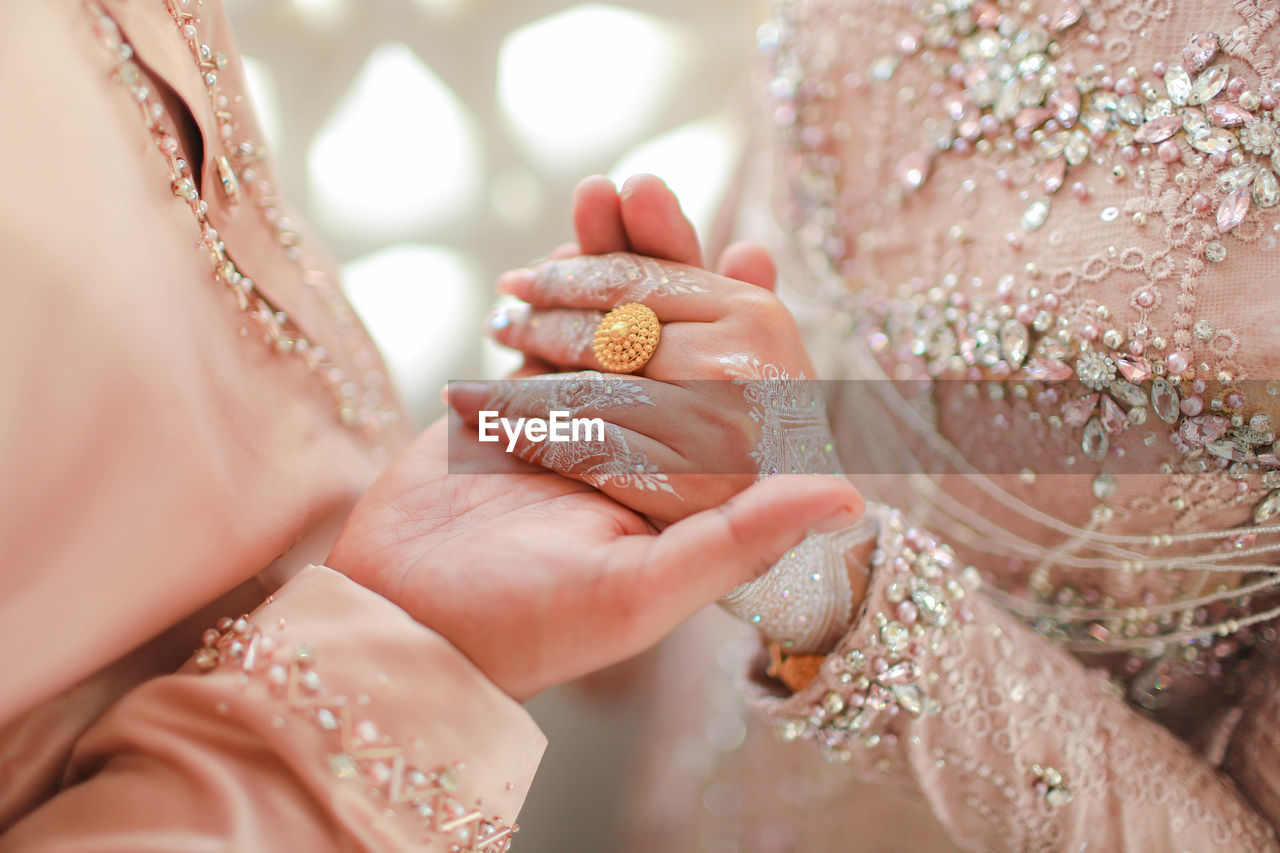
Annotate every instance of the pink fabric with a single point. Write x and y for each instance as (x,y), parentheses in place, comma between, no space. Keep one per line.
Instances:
(851,83)
(161,471)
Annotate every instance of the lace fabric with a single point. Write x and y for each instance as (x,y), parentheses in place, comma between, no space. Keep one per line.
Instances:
(1121,646)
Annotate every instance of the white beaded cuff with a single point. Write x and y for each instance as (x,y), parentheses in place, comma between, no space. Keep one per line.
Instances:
(805,602)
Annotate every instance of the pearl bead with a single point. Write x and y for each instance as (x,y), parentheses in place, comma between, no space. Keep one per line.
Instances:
(1169,152)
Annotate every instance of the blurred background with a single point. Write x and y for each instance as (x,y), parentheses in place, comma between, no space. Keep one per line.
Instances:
(434,144)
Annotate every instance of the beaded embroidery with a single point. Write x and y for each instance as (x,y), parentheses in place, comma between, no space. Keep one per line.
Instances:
(1004,84)
(362,405)
(871,683)
(363,752)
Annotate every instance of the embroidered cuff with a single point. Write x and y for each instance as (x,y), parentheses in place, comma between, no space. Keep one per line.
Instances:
(884,665)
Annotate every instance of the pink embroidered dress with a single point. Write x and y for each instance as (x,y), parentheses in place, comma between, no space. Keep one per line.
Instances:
(1044,236)
(191,409)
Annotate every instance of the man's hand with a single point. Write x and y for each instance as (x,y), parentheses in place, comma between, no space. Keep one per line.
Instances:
(539,579)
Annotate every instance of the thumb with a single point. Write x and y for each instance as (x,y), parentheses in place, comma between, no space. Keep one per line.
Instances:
(699,559)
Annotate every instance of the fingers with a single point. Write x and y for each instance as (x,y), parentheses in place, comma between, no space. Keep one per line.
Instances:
(597,217)
(584,426)
(560,339)
(699,559)
(565,250)
(676,292)
(558,336)
(749,262)
(655,224)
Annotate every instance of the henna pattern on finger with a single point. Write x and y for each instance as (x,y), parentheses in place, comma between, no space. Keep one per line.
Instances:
(618,277)
(608,462)
(574,329)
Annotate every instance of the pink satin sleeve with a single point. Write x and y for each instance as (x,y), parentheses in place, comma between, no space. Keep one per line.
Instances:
(1011,741)
(326,720)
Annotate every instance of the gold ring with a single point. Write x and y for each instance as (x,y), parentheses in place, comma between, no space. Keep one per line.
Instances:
(626,338)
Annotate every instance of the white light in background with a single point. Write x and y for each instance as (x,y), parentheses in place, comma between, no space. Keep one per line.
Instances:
(422,306)
(516,195)
(399,154)
(696,160)
(580,83)
(323,13)
(444,8)
(266,100)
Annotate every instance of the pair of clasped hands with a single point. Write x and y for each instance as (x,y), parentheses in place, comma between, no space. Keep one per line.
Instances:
(540,579)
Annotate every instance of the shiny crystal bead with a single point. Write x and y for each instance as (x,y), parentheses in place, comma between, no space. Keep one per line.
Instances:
(1133,369)
(1129,109)
(932,606)
(1208,84)
(1076,149)
(790,730)
(1051,146)
(1094,443)
(1095,121)
(877,699)
(1237,177)
(1112,416)
(1177,84)
(1200,49)
(1157,130)
(1058,797)
(1267,508)
(1104,101)
(1203,429)
(1165,400)
(895,636)
(1230,450)
(910,698)
(1015,342)
(1095,370)
(833,703)
(1233,210)
(882,69)
(1266,188)
(1047,370)
(902,672)
(912,170)
(1215,251)
(1194,120)
(1226,114)
(1213,140)
(1036,214)
(1076,413)
(1066,105)
(1128,393)
(342,766)
(1104,486)
(1066,15)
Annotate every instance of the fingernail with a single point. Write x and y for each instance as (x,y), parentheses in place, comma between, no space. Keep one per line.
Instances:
(838,520)
(518,283)
(506,313)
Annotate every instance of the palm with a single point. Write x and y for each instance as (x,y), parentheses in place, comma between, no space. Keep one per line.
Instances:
(417,526)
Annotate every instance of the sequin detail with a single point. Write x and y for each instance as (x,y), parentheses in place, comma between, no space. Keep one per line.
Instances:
(924,600)
(364,403)
(361,751)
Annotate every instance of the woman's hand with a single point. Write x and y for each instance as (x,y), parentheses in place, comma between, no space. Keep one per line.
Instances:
(730,402)
(539,579)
